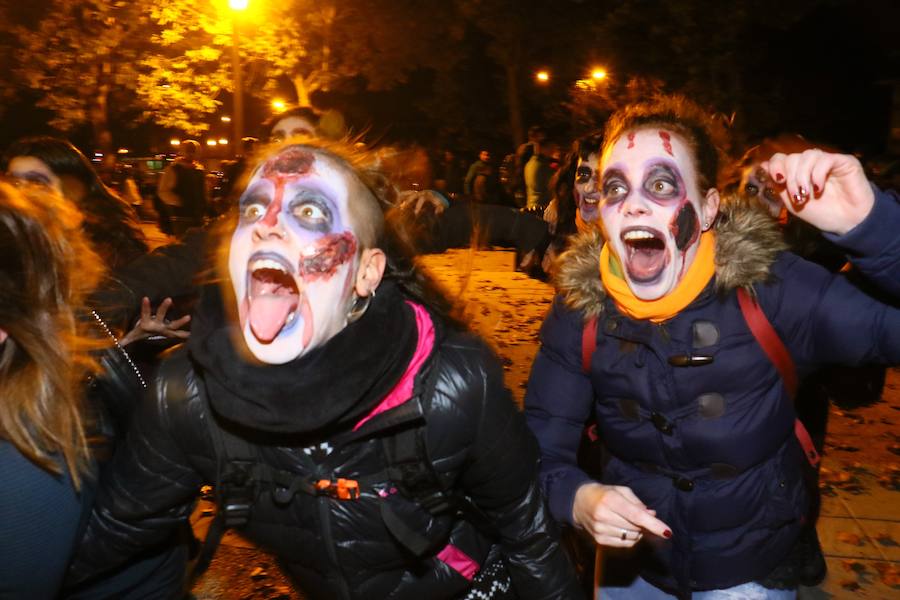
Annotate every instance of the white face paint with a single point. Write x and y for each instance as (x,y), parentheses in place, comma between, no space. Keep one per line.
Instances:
(651,209)
(34,170)
(587,188)
(291,126)
(293,255)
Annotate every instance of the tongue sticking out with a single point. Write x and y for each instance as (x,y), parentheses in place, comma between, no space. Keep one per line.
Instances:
(646,259)
(271,304)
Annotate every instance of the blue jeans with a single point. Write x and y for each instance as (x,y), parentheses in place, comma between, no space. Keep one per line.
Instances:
(641,590)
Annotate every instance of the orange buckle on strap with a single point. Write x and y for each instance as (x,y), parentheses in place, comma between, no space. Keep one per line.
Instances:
(342,489)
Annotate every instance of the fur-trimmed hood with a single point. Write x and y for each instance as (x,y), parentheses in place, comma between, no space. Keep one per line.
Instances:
(747,242)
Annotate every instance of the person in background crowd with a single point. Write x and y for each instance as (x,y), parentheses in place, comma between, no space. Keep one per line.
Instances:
(576,196)
(47,352)
(477,184)
(448,178)
(536,136)
(182,188)
(109,222)
(304,121)
(704,469)
(324,350)
(538,172)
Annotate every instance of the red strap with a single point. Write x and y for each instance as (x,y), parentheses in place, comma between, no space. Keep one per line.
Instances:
(588,343)
(775,349)
(768,339)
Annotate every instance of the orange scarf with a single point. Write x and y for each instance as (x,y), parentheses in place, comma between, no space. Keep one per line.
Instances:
(698,275)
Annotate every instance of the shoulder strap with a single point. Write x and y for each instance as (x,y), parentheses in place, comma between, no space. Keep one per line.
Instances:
(411,469)
(778,354)
(588,343)
(235,489)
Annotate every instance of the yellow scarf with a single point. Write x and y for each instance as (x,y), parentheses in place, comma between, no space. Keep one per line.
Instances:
(698,275)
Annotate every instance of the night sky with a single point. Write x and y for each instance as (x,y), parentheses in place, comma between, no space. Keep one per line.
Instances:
(827,70)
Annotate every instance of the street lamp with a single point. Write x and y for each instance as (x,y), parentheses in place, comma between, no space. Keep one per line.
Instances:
(598,74)
(542,76)
(237,5)
(278,105)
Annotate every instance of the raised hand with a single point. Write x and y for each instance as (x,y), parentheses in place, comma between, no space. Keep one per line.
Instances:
(829,191)
(151,324)
(614,516)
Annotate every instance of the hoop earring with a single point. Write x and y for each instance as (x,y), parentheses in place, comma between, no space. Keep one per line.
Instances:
(359,308)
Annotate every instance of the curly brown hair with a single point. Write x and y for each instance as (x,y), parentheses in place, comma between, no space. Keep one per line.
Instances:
(705,135)
(47,270)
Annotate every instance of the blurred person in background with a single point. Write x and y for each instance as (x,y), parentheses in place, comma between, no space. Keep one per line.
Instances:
(109,221)
(182,188)
(54,439)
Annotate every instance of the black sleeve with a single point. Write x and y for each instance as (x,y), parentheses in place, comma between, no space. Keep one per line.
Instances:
(148,489)
(501,477)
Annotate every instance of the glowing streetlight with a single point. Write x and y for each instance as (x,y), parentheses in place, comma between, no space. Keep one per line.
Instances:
(542,76)
(278,105)
(223,141)
(226,119)
(123,151)
(598,74)
(237,6)
(174,142)
(211,143)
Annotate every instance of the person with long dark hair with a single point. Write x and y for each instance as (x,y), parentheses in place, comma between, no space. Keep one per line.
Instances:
(109,222)
(54,433)
(382,454)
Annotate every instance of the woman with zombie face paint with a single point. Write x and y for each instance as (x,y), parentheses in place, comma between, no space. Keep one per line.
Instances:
(703,469)
(324,353)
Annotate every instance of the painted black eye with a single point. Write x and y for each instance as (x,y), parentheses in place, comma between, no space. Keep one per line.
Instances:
(312,213)
(751,189)
(615,191)
(309,211)
(583,175)
(661,187)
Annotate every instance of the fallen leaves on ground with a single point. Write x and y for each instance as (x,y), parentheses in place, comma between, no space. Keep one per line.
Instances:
(853,539)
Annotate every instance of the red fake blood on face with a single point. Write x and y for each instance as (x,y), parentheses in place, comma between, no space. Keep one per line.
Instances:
(631,140)
(685,226)
(327,254)
(288,166)
(666,138)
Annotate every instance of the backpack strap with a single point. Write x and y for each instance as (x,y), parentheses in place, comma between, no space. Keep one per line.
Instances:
(588,343)
(778,354)
(236,489)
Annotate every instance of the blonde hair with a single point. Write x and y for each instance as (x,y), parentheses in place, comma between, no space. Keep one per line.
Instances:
(47,270)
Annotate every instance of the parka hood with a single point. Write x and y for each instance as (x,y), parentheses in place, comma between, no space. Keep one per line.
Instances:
(747,242)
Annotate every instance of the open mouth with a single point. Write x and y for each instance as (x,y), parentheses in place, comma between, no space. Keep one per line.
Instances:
(272,296)
(645,253)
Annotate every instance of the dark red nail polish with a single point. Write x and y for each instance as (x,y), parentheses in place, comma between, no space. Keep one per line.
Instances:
(779,177)
(667,534)
(815,189)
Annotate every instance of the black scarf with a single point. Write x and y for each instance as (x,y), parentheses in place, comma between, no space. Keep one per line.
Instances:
(332,386)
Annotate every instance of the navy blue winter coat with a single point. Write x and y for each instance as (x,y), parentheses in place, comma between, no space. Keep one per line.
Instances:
(710,447)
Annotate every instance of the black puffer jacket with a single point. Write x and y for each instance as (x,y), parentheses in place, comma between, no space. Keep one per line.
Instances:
(478,444)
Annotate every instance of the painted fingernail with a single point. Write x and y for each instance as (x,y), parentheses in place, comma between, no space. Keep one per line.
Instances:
(803,193)
(779,177)
(667,534)
(816,189)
